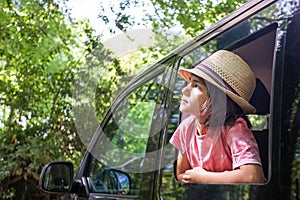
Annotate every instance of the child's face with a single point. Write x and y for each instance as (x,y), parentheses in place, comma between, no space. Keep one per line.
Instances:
(194,95)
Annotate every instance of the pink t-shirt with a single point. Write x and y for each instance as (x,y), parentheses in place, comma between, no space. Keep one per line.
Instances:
(217,151)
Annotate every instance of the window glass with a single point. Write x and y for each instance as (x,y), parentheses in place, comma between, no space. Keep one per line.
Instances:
(118,155)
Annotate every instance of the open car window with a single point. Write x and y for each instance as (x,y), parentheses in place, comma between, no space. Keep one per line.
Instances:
(257,49)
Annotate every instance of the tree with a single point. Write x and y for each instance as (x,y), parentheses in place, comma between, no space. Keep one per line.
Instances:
(193,16)
(173,22)
(41,52)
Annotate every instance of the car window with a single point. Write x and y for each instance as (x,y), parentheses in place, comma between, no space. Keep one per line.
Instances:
(118,155)
(255,43)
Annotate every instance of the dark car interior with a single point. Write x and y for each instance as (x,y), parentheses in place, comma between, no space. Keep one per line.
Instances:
(258,50)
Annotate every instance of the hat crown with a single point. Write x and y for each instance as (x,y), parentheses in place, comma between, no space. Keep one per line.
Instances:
(234,71)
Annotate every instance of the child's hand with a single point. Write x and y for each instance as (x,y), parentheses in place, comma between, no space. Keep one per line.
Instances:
(194,175)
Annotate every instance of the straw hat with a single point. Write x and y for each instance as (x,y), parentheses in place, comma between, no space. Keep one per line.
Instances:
(230,73)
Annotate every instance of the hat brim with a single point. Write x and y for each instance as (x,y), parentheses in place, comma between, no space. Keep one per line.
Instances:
(245,105)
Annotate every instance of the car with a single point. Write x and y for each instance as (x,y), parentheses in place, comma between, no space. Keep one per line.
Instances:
(130,156)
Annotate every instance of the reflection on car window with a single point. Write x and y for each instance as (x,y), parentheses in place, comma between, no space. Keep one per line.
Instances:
(123,141)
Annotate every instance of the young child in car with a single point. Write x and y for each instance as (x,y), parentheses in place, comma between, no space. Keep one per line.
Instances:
(215,143)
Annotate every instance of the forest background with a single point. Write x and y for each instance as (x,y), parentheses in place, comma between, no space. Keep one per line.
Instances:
(43,50)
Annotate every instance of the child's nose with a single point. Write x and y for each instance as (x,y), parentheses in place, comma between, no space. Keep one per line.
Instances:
(186,90)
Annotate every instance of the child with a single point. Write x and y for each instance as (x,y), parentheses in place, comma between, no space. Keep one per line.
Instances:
(215,142)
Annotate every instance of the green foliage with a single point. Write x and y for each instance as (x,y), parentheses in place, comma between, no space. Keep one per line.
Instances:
(193,16)
(259,122)
(40,54)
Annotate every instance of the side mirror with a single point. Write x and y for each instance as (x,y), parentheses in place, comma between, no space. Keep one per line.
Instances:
(57,177)
(111,181)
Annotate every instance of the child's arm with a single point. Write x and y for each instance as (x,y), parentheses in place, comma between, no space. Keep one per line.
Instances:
(249,173)
(182,166)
